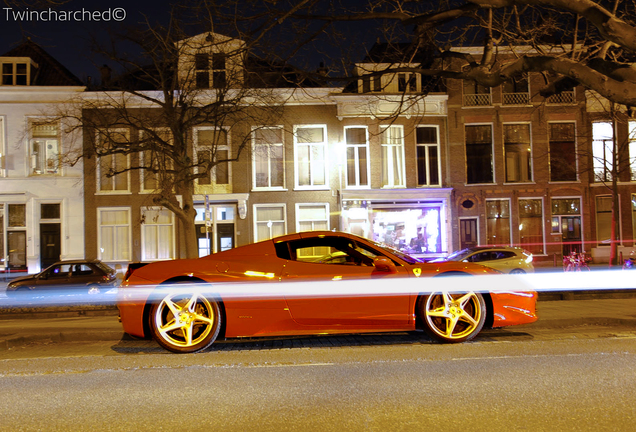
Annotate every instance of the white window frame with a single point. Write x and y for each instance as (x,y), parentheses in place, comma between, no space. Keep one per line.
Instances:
(542,222)
(142,172)
(99,190)
(313,221)
(144,239)
(619,222)
(559,216)
(297,165)
(427,147)
(503,143)
(356,182)
(631,130)
(576,153)
(492,155)
(509,219)
(392,150)
(226,146)
(601,145)
(36,161)
(118,258)
(257,222)
(3,154)
(14,61)
(254,146)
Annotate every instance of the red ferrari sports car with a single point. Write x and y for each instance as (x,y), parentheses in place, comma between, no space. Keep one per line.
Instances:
(318,282)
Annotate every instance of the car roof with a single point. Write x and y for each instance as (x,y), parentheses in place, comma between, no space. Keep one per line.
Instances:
(78,261)
(499,248)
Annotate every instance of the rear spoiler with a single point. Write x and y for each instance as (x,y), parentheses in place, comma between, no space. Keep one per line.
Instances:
(132,267)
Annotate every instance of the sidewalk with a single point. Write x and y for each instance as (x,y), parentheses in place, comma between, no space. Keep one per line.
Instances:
(552,314)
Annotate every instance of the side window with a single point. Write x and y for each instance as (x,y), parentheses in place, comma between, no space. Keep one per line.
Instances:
(60,271)
(82,270)
(330,251)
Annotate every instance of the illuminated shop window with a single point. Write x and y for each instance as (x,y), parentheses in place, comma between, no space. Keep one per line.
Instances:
(410,230)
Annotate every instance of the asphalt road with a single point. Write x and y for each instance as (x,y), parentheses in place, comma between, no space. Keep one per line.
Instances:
(560,380)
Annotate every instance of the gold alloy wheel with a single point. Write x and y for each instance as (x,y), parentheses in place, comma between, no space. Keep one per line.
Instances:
(454,317)
(185,322)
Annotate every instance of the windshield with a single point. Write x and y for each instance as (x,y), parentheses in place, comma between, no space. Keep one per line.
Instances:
(459,255)
(408,258)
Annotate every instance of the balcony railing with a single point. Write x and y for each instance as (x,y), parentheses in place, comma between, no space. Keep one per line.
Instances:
(482,99)
(566,97)
(516,99)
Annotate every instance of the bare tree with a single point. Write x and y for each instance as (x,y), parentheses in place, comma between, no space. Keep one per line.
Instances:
(166,84)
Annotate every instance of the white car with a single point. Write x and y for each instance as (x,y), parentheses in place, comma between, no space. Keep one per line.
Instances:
(507,259)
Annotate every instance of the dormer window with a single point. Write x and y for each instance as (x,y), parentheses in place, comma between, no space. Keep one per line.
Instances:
(17,71)
(210,68)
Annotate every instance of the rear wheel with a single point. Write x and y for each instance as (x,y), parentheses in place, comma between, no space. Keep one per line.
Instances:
(185,322)
(452,317)
(94,289)
(517,271)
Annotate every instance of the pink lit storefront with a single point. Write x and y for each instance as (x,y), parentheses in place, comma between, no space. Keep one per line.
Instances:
(415,221)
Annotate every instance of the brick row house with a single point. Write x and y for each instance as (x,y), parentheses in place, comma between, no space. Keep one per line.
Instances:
(41,198)
(462,166)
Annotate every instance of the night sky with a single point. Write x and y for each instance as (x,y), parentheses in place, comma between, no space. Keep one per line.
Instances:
(69,42)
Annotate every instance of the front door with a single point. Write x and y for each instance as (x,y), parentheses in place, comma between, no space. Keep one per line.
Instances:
(468,233)
(571,234)
(50,240)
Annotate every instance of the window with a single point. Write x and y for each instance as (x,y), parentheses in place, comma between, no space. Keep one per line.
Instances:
(498,222)
(329,251)
(212,144)
(207,68)
(312,217)
(428,161)
(18,72)
(310,154)
(268,167)
(604,220)
(392,143)
(218,70)
(112,169)
(215,228)
(154,162)
(562,152)
(2,150)
(15,236)
(515,92)
(566,220)
(157,234)
(44,148)
(632,149)
(270,221)
(357,151)
(405,84)
(475,94)
(603,150)
(113,234)
(531,225)
(518,153)
(202,70)
(479,164)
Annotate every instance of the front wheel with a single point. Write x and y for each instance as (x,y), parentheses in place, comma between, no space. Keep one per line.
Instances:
(185,322)
(453,317)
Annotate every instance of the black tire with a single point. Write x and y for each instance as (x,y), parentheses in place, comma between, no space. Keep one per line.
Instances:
(93,289)
(452,317)
(517,271)
(185,321)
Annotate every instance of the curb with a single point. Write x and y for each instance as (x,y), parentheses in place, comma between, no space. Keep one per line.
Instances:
(91,336)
